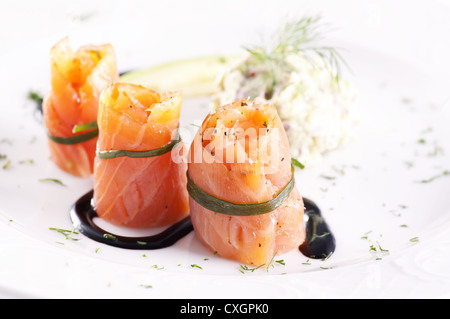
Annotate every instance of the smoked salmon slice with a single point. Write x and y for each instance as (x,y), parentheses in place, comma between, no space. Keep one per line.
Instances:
(241,156)
(77,79)
(137,190)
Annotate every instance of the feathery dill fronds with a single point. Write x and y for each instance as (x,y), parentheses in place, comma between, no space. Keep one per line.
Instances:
(300,37)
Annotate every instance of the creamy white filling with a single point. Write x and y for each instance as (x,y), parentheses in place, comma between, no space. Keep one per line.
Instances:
(317,111)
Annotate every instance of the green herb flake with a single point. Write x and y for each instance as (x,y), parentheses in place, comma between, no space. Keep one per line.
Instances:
(431,179)
(109,236)
(281,262)
(414,240)
(328,177)
(246,268)
(35,96)
(271,262)
(406,100)
(27,161)
(327,256)
(52,180)
(7,164)
(297,163)
(67,233)
(196,266)
(157,267)
(147,286)
(381,249)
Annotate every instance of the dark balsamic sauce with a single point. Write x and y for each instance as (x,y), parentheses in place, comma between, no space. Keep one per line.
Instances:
(320,242)
(83,214)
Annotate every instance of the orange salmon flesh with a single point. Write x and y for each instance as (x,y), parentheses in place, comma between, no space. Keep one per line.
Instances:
(249,179)
(139,192)
(77,80)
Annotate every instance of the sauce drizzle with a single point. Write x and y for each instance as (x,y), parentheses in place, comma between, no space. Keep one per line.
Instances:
(83,214)
(320,242)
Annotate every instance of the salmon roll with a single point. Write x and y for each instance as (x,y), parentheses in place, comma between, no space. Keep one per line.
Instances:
(243,200)
(77,80)
(137,181)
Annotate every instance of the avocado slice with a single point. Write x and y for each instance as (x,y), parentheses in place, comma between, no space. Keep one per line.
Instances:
(194,76)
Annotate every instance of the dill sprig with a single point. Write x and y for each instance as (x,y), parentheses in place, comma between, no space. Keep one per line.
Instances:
(300,37)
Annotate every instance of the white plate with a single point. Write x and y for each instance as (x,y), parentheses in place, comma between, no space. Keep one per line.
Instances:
(375,190)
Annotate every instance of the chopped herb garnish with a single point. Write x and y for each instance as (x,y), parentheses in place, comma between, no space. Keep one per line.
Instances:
(327,256)
(6,164)
(437,151)
(37,98)
(429,180)
(245,268)
(109,236)
(66,233)
(271,262)
(158,268)
(147,286)
(196,266)
(381,249)
(281,262)
(414,240)
(34,96)
(328,177)
(27,161)
(53,180)
(297,163)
